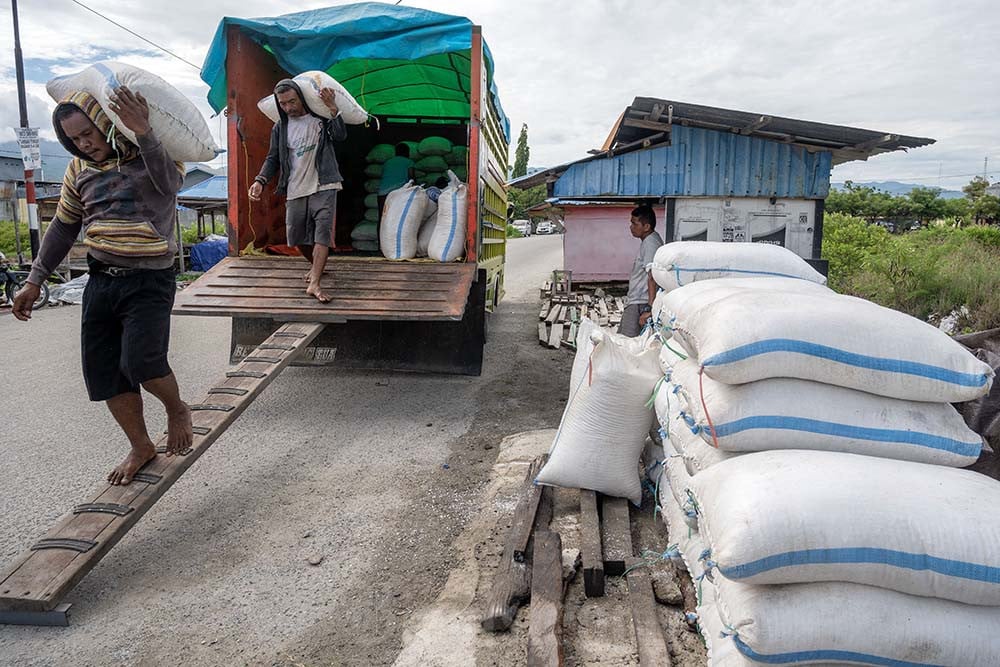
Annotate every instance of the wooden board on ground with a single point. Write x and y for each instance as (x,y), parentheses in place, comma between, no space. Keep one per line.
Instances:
(649,635)
(554,314)
(616,535)
(545,627)
(369,289)
(512,581)
(543,333)
(39,579)
(590,545)
(545,311)
(555,339)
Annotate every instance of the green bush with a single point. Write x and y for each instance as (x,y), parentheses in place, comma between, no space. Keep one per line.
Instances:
(512,232)
(8,246)
(927,273)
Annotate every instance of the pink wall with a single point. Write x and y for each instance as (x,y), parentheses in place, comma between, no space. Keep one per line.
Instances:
(597,245)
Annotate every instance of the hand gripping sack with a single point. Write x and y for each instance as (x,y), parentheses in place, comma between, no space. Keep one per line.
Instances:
(793,516)
(404,211)
(829,623)
(176,122)
(782,413)
(605,423)
(684,262)
(310,83)
(840,340)
(448,241)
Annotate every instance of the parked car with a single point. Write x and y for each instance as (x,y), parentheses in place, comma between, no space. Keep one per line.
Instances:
(523,226)
(545,227)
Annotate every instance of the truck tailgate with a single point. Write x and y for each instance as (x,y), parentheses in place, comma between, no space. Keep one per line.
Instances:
(360,288)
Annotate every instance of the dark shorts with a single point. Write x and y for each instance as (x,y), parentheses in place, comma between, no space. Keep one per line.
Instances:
(309,220)
(629,325)
(126,330)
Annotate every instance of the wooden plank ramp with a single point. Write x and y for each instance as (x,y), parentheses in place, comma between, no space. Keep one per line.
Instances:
(33,587)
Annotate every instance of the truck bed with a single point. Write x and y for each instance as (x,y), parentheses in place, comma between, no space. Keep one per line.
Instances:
(360,288)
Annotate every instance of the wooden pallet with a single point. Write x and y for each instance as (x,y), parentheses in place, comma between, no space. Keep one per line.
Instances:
(33,587)
(560,316)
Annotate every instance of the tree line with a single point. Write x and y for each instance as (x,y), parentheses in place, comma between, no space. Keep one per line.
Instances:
(921,205)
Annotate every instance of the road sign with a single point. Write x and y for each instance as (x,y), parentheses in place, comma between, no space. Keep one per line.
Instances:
(31,151)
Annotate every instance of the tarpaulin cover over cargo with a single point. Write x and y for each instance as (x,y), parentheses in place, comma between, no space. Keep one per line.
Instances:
(394,60)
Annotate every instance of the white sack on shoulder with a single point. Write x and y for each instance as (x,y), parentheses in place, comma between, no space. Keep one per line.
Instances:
(310,83)
(606,420)
(684,262)
(176,122)
(835,339)
(797,516)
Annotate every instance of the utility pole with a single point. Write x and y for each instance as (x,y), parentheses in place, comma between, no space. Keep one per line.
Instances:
(29,174)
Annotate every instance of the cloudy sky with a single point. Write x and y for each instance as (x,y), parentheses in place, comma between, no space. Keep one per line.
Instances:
(568,68)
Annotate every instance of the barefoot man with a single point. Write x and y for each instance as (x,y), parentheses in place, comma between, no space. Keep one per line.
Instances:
(123,196)
(302,150)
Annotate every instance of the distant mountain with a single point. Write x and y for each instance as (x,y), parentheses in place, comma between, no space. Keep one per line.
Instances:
(899,189)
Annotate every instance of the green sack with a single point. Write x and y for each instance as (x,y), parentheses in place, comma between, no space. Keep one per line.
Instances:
(432,163)
(414,150)
(461,172)
(374,170)
(371,201)
(381,153)
(373,185)
(435,146)
(459,155)
(419,174)
(371,215)
(365,231)
(430,179)
(365,246)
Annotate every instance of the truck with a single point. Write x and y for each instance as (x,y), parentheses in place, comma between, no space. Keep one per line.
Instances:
(419,74)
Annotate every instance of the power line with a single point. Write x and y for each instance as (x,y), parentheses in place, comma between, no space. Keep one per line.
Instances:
(133,32)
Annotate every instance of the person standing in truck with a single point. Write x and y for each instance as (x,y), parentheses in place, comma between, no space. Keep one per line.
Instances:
(641,286)
(123,196)
(302,151)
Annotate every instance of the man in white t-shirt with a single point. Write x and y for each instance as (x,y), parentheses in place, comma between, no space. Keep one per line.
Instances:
(302,149)
(641,286)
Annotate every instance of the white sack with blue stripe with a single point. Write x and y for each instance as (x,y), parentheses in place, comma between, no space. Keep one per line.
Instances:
(448,240)
(830,623)
(675,483)
(671,413)
(427,227)
(175,120)
(782,413)
(605,423)
(401,219)
(841,340)
(796,516)
(685,262)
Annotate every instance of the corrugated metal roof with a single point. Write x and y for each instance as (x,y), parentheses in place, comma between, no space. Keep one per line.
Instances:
(214,188)
(702,162)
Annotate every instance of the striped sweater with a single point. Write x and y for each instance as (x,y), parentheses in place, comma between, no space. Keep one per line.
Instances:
(126,210)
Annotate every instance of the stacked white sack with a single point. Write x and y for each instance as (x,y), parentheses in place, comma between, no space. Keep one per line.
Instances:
(606,421)
(685,262)
(829,623)
(404,213)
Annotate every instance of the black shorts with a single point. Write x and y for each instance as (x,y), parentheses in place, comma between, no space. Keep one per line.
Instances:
(125,330)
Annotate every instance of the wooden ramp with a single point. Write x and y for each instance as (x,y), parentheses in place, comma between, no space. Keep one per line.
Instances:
(32,588)
(361,289)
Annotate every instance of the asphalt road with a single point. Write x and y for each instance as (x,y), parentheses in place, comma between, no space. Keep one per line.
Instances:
(376,478)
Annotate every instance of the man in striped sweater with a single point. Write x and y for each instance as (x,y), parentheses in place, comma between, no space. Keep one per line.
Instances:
(123,197)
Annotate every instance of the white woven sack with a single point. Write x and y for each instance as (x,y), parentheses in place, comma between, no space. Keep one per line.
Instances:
(670,354)
(698,455)
(841,340)
(705,292)
(175,120)
(798,516)
(675,483)
(404,211)
(606,420)
(310,83)
(448,241)
(588,334)
(783,413)
(427,227)
(745,625)
(684,262)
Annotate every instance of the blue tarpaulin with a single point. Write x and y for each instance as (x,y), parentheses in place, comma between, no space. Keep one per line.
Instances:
(372,37)
(208,253)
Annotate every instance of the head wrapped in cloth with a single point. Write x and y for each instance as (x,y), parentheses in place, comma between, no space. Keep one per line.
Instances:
(121,148)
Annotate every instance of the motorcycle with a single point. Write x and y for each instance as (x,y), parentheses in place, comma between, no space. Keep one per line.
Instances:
(13,280)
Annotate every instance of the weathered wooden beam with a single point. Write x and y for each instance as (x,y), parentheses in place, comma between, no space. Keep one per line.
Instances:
(649,635)
(590,545)
(687,591)
(543,333)
(616,535)
(547,589)
(555,339)
(646,124)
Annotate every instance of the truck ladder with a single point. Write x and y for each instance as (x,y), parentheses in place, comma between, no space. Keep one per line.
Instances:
(32,588)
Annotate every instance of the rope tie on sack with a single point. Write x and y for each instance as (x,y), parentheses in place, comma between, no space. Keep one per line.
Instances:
(650,558)
(704,406)
(730,631)
(656,388)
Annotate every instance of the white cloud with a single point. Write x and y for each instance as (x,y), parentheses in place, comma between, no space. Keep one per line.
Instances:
(569,67)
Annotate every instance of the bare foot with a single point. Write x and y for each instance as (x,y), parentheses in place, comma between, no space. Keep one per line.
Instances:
(138,457)
(180,434)
(315,290)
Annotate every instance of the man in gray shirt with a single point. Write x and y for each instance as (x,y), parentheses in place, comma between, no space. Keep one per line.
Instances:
(641,286)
